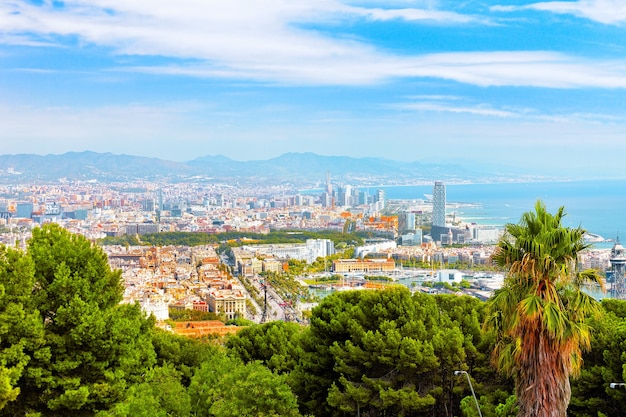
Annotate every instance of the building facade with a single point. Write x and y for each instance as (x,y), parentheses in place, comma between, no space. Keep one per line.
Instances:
(363,265)
(439,204)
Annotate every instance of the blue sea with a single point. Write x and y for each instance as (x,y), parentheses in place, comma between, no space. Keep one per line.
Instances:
(598,206)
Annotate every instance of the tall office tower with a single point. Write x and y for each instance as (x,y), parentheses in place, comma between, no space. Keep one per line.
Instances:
(160,209)
(329,187)
(341,196)
(347,200)
(439,204)
(380,197)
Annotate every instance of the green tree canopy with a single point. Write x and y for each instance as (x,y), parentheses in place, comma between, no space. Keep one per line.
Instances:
(21,329)
(93,347)
(386,353)
(225,387)
(275,344)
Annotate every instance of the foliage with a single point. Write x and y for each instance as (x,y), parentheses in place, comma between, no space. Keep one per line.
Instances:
(603,364)
(378,278)
(93,348)
(239,321)
(225,387)
(160,394)
(21,331)
(67,347)
(285,285)
(539,314)
(274,344)
(496,403)
(386,353)
(125,240)
(185,354)
(233,238)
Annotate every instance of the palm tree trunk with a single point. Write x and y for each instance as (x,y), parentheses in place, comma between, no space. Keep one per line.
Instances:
(542,386)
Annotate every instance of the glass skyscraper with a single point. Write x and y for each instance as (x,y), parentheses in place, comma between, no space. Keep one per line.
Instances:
(439,204)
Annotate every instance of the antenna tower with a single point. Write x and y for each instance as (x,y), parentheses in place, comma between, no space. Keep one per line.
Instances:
(618,267)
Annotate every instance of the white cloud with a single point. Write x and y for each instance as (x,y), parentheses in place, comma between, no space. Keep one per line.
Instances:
(609,12)
(462,105)
(265,40)
(415,15)
(538,69)
(477,110)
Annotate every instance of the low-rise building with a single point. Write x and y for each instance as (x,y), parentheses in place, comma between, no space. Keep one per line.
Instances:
(363,265)
(229,301)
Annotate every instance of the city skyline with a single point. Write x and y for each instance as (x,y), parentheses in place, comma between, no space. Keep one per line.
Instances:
(519,83)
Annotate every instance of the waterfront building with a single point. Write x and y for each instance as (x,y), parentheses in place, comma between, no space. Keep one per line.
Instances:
(439,204)
(363,265)
(449,275)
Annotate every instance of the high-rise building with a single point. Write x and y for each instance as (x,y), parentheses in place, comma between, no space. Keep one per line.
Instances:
(439,204)
(344,196)
(363,197)
(380,198)
(327,200)
(406,222)
(160,197)
(329,187)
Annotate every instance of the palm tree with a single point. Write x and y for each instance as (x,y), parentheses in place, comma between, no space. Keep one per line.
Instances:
(539,313)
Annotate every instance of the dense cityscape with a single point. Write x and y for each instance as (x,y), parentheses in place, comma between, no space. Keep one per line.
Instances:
(224,264)
(400,232)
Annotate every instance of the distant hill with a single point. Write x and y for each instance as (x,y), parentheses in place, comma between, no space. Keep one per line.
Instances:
(296,168)
(87,166)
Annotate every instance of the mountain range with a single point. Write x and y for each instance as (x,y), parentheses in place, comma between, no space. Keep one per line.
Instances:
(295,168)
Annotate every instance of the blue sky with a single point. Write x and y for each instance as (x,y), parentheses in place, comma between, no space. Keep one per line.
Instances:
(520,83)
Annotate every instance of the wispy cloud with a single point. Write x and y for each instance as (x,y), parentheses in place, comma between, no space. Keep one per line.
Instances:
(271,41)
(609,12)
(463,105)
(477,110)
(457,105)
(415,15)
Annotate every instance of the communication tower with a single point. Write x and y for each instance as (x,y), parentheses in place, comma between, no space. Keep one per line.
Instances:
(618,267)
